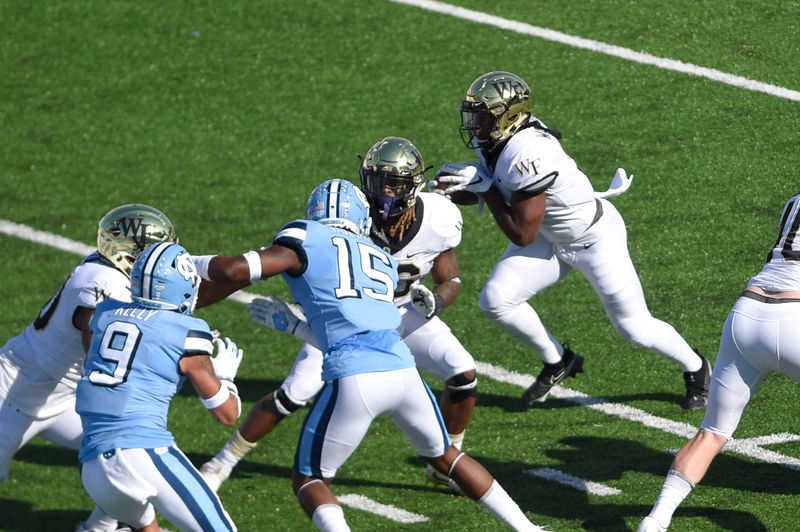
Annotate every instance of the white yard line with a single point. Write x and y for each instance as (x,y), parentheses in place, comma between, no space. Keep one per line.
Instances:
(366,504)
(603,48)
(580,484)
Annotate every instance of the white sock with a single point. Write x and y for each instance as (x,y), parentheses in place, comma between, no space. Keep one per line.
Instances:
(676,488)
(502,506)
(330,518)
(235,449)
(98,520)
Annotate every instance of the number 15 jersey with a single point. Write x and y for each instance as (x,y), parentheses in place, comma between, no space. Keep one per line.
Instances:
(346,291)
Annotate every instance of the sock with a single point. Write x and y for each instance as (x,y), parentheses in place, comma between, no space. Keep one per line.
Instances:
(235,449)
(497,502)
(330,518)
(676,487)
(98,520)
(458,439)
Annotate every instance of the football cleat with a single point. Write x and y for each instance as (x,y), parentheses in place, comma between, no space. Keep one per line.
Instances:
(571,364)
(214,472)
(697,383)
(649,524)
(438,479)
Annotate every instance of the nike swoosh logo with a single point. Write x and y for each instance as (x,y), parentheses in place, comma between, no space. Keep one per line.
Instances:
(587,246)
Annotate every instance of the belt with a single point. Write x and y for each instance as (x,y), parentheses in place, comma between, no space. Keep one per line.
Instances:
(767,299)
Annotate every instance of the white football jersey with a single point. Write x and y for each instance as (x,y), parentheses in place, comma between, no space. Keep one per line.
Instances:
(436,230)
(534,161)
(48,354)
(781,273)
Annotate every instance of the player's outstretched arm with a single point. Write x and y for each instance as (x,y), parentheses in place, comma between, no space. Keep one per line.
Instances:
(229,274)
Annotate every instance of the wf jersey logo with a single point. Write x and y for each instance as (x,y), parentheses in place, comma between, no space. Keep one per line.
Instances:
(528,167)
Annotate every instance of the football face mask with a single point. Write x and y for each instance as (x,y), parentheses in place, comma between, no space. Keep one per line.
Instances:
(391,176)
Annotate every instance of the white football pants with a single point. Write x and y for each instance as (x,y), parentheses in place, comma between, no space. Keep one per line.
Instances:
(603,259)
(757,339)
(341,416)
(131,484)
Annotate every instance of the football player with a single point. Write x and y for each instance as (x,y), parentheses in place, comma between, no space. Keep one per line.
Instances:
(140,355)
(40,368)
(547,208)
(346,286)
(761,335)
(421,231)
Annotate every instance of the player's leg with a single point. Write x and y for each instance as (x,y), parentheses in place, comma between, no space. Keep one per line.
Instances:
(18,428)
(302,384)
(437,350)
(521,273)
(747,352)
(182,496)
(333,429)
(418,416)
(66,430)
(607,266)
(115,484)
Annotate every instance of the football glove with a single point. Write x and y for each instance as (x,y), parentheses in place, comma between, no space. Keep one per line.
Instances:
(227,359)
(277,314)
(424,300)
(455,177)
(619,184)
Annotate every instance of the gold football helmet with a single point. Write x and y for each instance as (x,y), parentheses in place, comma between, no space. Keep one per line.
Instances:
(391,176)
(128,230)
(496,105)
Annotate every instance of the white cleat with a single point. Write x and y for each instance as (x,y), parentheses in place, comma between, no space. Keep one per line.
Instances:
(434,477)
(649,524)
(214,472)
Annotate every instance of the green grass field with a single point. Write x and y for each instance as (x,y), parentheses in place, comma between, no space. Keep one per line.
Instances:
(225,115)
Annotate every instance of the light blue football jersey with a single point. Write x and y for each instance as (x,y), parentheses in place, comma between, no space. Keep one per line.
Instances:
(132,373)
(346,291)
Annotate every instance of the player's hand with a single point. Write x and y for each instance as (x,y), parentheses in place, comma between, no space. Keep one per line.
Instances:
(466,177)
(227,358)
(277,314)
(423,300)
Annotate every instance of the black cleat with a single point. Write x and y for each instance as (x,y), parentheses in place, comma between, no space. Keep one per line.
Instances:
(697,386)
(571,364)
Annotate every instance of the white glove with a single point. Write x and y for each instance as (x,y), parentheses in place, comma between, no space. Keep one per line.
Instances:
(619,184)
(226,361)
(277,314)
(471,177)
(423,300)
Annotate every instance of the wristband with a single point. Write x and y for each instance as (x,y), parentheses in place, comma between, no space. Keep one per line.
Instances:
(254,262)
(218,398)
(201,262)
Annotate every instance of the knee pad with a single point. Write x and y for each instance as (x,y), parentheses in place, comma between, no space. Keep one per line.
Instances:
(491,301)
(462,387)
(636,330)
(283,404)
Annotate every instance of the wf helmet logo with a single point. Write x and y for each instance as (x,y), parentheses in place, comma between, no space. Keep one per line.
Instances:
(508,89)
(133,228)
